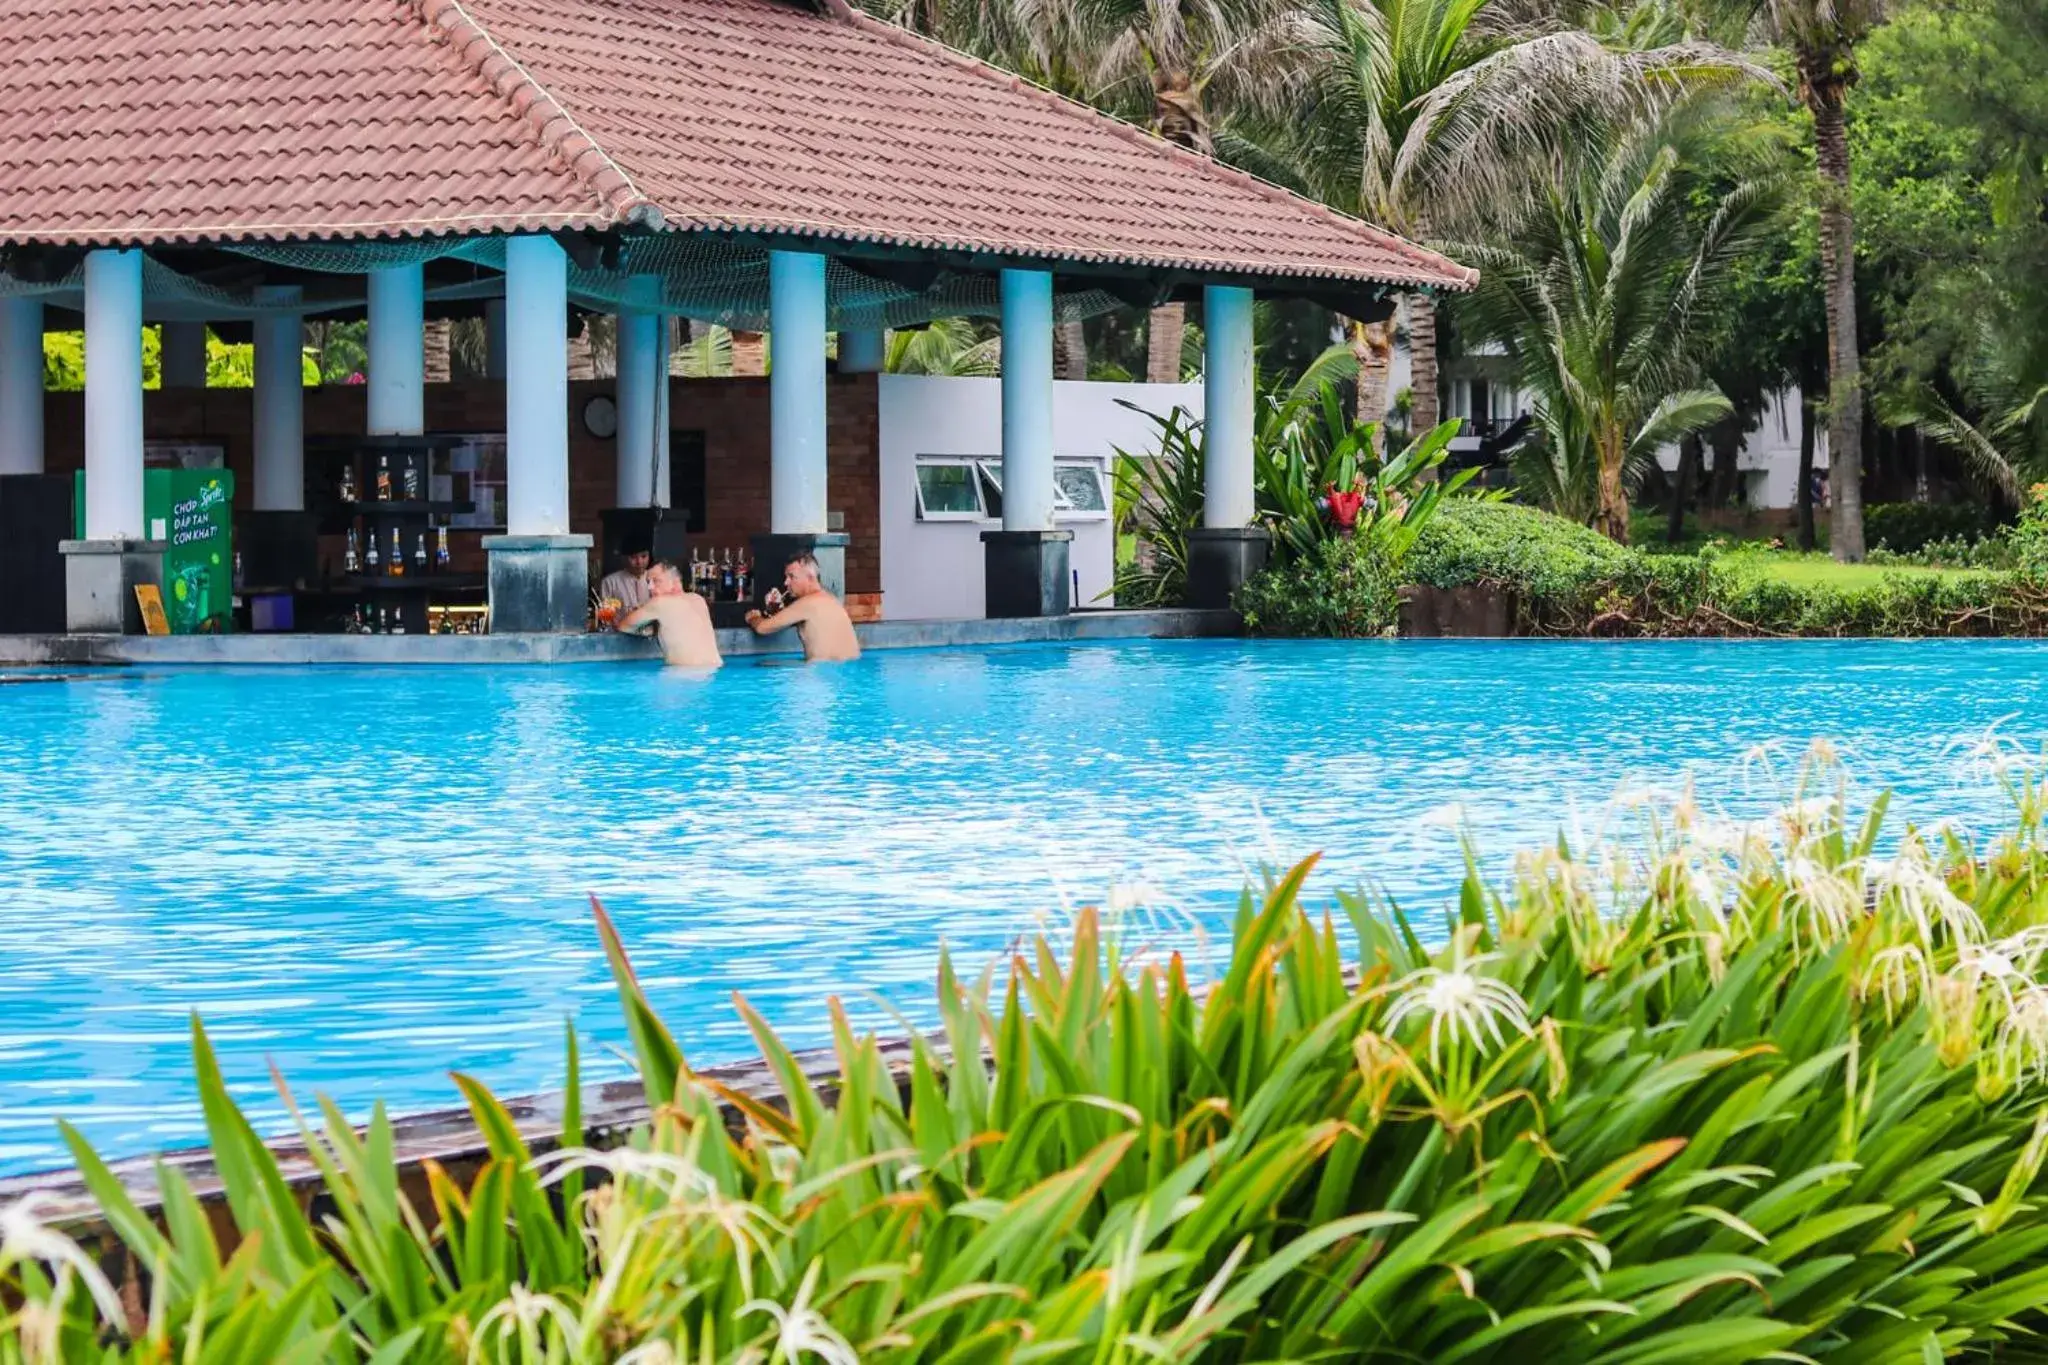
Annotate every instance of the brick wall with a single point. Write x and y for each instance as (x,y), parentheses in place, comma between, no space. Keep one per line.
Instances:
(732,414)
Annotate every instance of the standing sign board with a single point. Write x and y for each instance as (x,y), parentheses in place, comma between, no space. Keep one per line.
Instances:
(192,512)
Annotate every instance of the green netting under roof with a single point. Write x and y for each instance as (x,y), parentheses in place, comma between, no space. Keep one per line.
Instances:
(167,295)
(706,278)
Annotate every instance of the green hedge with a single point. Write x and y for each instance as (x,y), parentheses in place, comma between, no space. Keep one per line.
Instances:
(1342,589)
(1567,579)
(1906,528)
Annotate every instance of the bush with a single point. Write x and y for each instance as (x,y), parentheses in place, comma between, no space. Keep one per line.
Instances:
(1907,528)
(1339,589)
(1744,1093)
(1569,580)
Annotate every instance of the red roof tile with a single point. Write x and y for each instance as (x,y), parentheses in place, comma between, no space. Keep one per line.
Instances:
(224,120)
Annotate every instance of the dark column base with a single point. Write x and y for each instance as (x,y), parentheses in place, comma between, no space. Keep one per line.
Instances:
(772,552)
(1220,560)
(539,584)
(100,578)
(1027,573)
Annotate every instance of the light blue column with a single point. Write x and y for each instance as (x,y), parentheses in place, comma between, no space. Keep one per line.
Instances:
(113,395)
(181,355)
(643,366)
(862,352)
(796,393)
(21,385)
(1027,400)
(1227,401)
(279,426)
(397,352)
(536,387)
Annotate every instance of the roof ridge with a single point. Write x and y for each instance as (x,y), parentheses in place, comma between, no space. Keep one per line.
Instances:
(1422,256)
(451,22)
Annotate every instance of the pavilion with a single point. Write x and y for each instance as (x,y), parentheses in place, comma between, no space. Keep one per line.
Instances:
(788,166)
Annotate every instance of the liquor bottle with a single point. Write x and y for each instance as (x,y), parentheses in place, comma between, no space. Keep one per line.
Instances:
(348,482)
(239,580)
(351,558)
(383,478)
(728,581)
(370,559)
(743,578)
(397,555)
(441,549)
(383,619)
(398,620)
(412,481)
(696,572)
(419,554)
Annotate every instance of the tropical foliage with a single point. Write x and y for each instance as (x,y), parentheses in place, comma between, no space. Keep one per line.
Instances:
(1711,1093)
(1599,300)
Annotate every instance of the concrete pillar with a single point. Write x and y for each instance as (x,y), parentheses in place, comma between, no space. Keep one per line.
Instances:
(102,571)
(181,355)
(643,366)
(494,339)
(1027,400)
(661,411)
(279,405)
(863,352)
(1026,563)
(1227,549)
(1227,402)
(539,572)
(21,385)
(537,387)
(397,347)
(796,393)
(113,395)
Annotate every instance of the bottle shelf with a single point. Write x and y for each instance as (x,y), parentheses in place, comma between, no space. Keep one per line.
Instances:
(414,582)
(400,507)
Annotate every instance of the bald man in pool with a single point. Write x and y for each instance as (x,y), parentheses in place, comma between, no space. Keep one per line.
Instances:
(821,623)
(678,617)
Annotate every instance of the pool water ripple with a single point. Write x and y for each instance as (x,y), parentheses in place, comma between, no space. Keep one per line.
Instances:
(372,876)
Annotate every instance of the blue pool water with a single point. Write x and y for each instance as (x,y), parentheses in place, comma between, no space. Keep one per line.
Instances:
(370,876)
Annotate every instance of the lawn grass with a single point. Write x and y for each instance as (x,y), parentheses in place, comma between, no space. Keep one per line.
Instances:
(1818,570)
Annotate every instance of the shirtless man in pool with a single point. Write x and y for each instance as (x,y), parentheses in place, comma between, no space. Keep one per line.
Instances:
(679,618)
(820,621)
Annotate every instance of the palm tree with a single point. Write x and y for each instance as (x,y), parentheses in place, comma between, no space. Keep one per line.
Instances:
(1822,36)
(1426,116)
(2000,429)
(1597,298)
(947,346)
(1166,63)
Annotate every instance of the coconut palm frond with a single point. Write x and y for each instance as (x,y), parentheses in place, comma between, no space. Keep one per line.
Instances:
(1679,414)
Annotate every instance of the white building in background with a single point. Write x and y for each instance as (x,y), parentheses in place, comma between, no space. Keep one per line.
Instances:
(941,445)
(1479,386)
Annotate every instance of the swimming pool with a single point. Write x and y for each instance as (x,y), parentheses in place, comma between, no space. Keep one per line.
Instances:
(375,875)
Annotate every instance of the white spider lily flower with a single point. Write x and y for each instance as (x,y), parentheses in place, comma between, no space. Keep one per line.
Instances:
(1828,901)
(1459,1002)
(1909,883)
(24,1236)
(1998,965)
(2023,1034)
(521,1313)
(800,1329)
(676,1176)
(1896,975)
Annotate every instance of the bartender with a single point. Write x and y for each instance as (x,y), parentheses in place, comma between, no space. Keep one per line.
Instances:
(627,584)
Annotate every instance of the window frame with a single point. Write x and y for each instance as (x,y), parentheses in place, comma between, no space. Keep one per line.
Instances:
(967,462)
(1064,506)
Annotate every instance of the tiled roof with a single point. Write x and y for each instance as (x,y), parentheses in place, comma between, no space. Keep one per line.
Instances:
(224,120)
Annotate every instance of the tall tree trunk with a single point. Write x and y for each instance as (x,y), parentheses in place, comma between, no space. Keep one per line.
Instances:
(1164,334)
(1726,438)
(582,364)
(1422,383)
(1825,76)
(1070,351)
(437,349)
(1689,453)
(1612,520)
(1809,422)
(749,353)
(1372,345)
